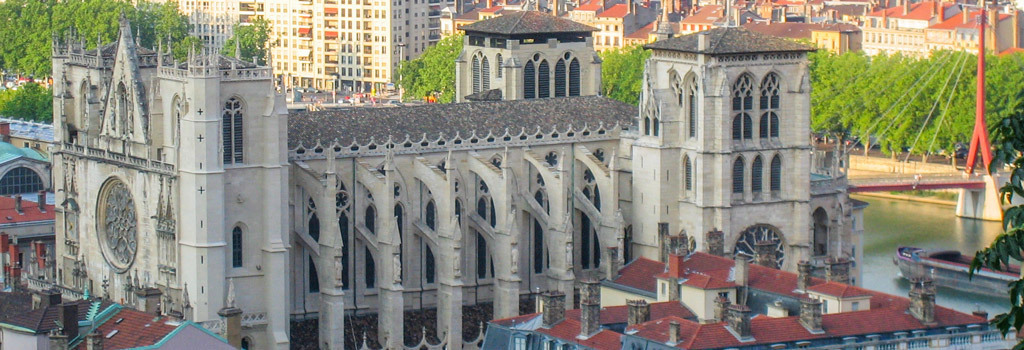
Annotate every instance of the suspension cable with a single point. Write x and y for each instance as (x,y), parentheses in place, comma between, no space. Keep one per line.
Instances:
(934,105)
(945,109)
(912,99)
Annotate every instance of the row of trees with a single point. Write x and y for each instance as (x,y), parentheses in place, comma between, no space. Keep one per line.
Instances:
(918,105)
(29,102)
(27,28)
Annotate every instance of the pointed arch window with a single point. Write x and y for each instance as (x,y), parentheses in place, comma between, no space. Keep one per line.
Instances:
(691,104)
(476,74)
(590,246)
(342,207)
(543,80)
(430,215)
(560,78)
(231,122)
(742,93)
(314,277)
(737,175)
(481,256)
(485,74)
(400,221)
(538,247)
(370,270)
(236,247)
(769,126)
(529,81)
(770,92)
(688,173)
(574,77)
(429,267)
(370,219)
(776,175)
(742,127)
(756,174)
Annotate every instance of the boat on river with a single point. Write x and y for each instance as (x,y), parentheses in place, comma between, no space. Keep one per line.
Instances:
(948,268)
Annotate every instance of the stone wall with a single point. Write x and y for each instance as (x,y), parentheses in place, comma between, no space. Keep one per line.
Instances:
(897,166)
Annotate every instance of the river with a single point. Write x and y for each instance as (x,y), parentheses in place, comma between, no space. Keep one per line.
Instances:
(891,223)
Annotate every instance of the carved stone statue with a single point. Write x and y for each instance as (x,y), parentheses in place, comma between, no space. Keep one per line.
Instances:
(396,270)
(515,258)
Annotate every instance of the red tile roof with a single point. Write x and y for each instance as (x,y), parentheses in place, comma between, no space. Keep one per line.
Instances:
(957,21)
(705,15)
(1011,51)
(131,329)
(495,8)
(921,11)
(30,211)
(839,290)
(592,7)
(617,11)
(640,274)
(569,329)
(620,314)
(643,33)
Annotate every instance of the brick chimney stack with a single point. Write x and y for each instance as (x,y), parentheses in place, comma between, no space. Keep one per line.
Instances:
(41,202)
(714,242)
(922,300)
(590,305)
(5,131)
(68,316)
(94,341)
(58,341)
(554,308)
(803,279)
(837,269)
(741,270)
(17,204)
(637,311)
(810,315)
(679,244)
(721,309)
(149,300)
(764,254)
(739,320)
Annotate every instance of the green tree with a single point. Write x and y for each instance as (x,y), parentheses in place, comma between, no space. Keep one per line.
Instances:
(27,27)
(250,40)
(29,102)
(1008,137)
(433,73)
(622,71)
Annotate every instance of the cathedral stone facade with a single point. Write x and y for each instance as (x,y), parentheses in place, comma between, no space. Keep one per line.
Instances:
(192,179)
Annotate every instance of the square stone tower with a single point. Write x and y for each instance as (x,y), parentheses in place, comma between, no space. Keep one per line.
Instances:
(724,143)
(524,55)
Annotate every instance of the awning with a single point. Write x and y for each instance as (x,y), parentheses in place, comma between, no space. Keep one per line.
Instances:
(330,34)
(304,30)
(331,10)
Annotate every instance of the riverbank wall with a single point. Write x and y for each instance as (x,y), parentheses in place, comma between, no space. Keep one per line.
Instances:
(887,165)
(907,197)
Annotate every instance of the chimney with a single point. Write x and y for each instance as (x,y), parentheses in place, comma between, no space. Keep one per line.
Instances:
(673,333)
(965,14)
(1016,29)
(5,131)
(922,300)
(837,270)
(810,315)
(739,321)
(993,18)
(232,325)
(941,9)
(149,300)
(637,311)
(721,308)
(490,3)
(741,270)
(980,313)
(906,7)
(94,341)
(46,298)
(702,45)
(41,201)
(714,240)
(803,279)
(679,244)
(58,341)
(554,308)
(17,204)
(935,9)
(40,250)
(764,254)
(68,316)
(590,305)
(675,265)
(555,6)
(614,263)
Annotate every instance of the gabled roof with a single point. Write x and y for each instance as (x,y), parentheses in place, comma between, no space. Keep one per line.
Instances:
(527,22)
(616,11)
(921,11)
(567,330)
(592,7)
(729,40)
(708,14)
(639,274)
(42,320)
(132,329)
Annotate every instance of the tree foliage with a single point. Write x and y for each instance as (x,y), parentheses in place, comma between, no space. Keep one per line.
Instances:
(925,105)
(1008,139)
(433,72)
(622,71)
(250,40)
(29,102)
(27,27)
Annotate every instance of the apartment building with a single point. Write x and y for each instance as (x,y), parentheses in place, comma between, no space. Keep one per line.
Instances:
(328,44)
(919,28)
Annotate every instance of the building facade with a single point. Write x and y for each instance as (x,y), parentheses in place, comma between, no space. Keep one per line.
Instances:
(155,165)
(189,177)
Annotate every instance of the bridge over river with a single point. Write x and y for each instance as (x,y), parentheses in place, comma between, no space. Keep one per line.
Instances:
(904,182)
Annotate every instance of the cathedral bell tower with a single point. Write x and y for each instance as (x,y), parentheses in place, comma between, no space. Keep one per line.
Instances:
(723,143)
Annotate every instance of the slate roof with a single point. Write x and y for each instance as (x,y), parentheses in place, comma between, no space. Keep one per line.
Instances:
(729,40)
(527,22)
(489,95)
(41,320)
(436,120)
(30,130)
